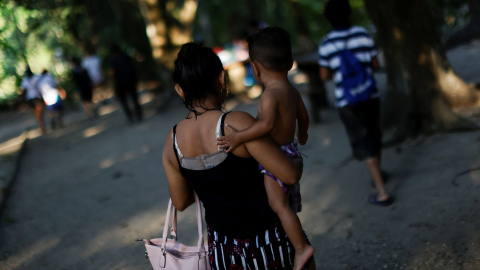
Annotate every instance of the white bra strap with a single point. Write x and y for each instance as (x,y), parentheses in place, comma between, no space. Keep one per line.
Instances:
(219,124)
(174,136)
(217,133)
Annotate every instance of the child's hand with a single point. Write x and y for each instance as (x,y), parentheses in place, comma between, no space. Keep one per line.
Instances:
(302,138)
(230,141)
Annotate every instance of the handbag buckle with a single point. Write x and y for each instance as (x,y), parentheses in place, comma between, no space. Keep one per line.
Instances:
(164,258)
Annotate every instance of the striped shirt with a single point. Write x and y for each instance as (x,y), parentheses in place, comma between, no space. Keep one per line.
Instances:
(358,41)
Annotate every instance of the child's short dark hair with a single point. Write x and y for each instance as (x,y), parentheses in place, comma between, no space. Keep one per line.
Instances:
(338,13)
(271,47)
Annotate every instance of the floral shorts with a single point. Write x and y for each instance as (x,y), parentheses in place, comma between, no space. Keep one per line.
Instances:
(269,250)
(292,191)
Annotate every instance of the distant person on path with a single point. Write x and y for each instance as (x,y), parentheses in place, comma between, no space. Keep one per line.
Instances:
(280,109)
(84,85)
(360,118)
(52,95)
(243,231)
(92,63)
(125,80)
(33,97)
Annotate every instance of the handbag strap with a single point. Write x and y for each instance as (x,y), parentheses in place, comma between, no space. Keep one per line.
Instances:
(173,229)
(201,247)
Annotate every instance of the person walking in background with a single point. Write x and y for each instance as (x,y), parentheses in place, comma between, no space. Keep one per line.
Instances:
(33,97)
(84,85)
(125,83)
(358,104)
(52,95)
(92,63)
(279,110)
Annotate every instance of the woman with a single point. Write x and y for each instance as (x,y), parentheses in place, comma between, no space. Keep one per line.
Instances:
(243,232)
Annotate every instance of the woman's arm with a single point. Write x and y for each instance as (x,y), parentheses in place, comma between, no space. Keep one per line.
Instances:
(180,191)
(268,154)
(265,151)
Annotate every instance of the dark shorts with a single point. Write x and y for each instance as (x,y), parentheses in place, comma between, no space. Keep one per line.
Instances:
(34,101)
(362,123)
(57,106)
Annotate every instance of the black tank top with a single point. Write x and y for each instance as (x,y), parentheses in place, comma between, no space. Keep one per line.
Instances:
(233,195)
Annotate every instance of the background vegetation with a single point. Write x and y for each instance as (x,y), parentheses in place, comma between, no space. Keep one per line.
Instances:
(45,34)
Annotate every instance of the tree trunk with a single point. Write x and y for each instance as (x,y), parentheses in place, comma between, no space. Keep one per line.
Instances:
(165,32)
(94,24)
(470,31)
(205,24)
(423,88)
(307,60)
(134,33)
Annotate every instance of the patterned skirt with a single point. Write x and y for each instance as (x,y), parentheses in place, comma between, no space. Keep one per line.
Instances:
(270,250)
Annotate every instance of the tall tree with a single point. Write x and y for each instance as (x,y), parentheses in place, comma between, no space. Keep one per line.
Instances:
(307,60)
(168,26)
(134,33)
(424,91)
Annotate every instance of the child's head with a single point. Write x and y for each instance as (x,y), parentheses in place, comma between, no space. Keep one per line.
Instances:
(271,48)
(198,71)
(338,13)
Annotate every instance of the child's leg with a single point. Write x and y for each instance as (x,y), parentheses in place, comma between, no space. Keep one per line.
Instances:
(278,201)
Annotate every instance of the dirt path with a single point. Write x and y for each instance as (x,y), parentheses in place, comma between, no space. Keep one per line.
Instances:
(86,192)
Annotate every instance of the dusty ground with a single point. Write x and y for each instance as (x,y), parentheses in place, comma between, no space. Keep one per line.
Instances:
(85,193)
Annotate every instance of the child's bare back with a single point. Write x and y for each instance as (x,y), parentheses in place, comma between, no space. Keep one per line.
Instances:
(283,100)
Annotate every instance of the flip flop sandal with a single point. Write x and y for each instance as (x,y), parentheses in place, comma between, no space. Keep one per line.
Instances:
(373,200)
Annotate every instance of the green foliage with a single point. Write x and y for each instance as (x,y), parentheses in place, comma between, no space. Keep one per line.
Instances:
(38,37)
(232,20)
(45,34)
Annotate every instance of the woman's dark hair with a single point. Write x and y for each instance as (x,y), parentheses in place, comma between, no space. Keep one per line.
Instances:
(338,13)
(271,47)
(196,71)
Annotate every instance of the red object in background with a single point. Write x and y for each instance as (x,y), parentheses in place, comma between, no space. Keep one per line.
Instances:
(217,49)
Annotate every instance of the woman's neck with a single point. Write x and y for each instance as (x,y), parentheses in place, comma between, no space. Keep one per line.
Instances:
(209,104)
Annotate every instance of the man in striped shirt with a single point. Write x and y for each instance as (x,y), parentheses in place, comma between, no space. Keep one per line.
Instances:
(361,120)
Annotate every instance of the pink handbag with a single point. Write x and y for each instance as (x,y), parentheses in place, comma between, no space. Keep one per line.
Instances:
(170,254)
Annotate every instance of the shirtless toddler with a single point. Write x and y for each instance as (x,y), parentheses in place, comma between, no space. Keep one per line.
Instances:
(279,109)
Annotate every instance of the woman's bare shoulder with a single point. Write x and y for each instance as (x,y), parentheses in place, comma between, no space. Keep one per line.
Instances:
(168,141)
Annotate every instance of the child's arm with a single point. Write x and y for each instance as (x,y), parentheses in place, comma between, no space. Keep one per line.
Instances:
(265,122)
(303,122)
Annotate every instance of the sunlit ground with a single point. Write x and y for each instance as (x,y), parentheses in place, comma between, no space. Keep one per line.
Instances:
(11,146)
(329,215)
